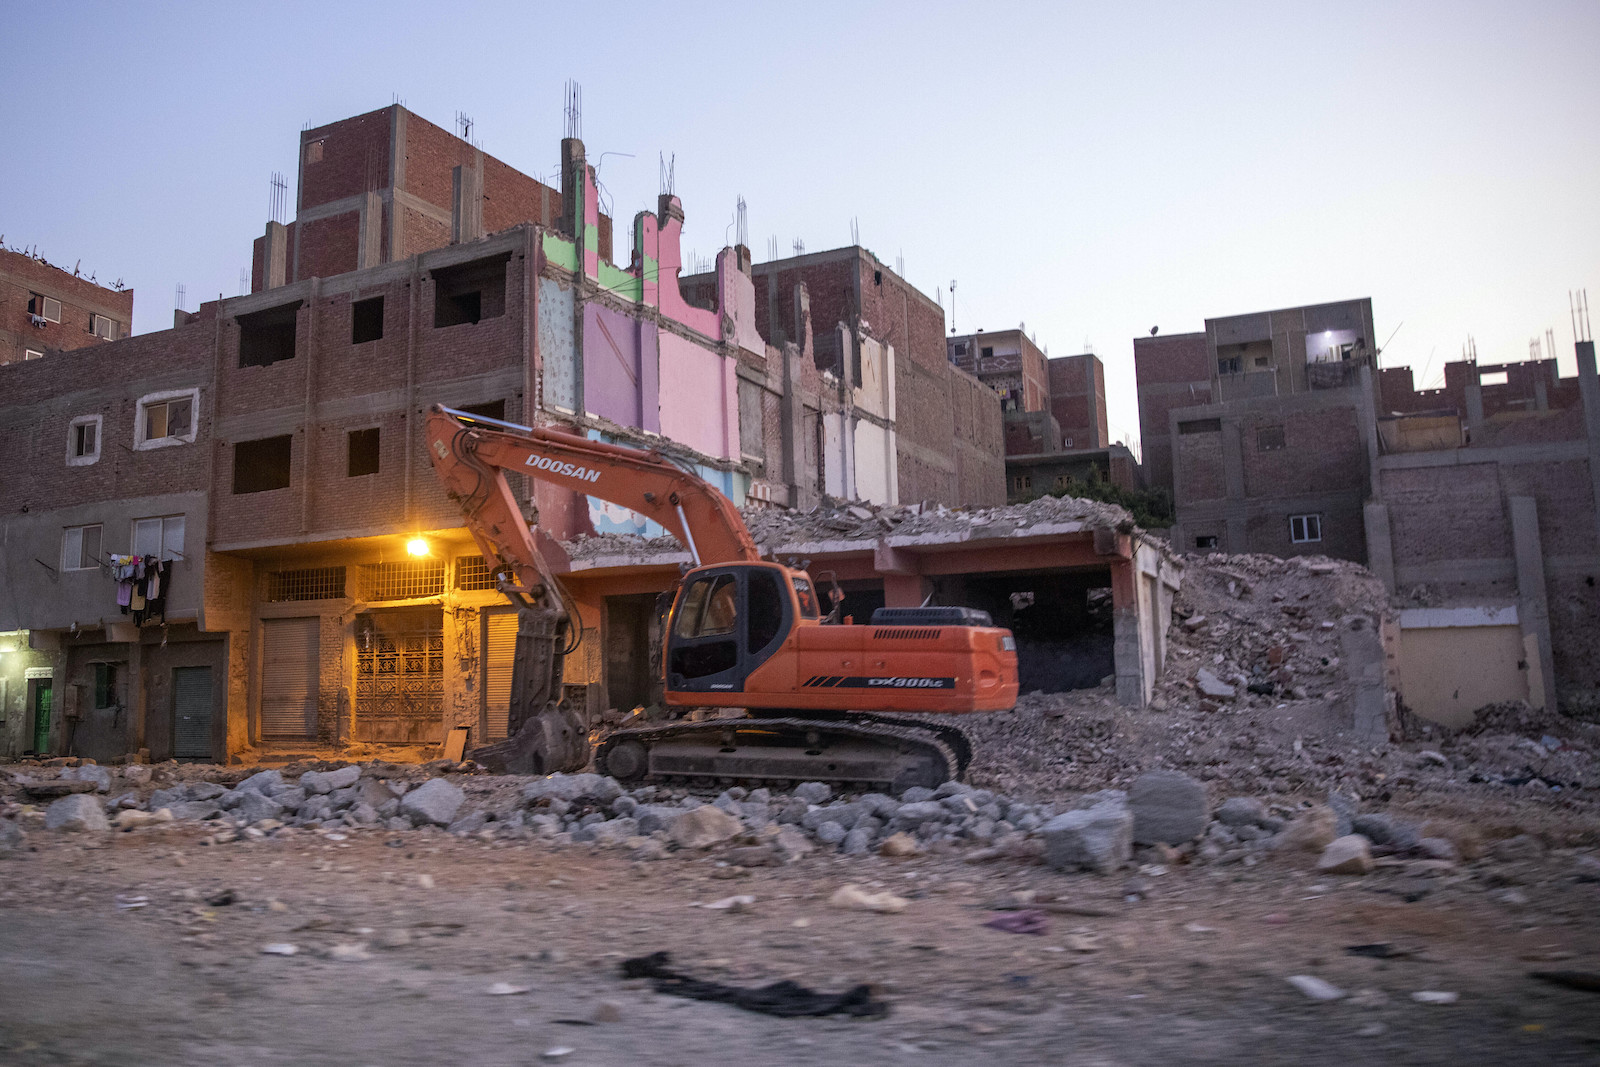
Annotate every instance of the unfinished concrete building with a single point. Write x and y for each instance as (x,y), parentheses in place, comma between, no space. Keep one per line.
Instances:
(1475,502)
(278,435)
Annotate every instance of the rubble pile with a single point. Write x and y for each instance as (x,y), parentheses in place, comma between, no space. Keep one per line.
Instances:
(773,528)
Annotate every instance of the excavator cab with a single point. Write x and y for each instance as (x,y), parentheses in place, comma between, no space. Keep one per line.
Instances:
(729,620)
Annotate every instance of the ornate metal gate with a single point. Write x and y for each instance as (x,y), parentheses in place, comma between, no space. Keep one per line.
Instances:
(400,677)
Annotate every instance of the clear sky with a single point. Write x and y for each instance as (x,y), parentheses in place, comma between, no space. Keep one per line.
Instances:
(1091,170)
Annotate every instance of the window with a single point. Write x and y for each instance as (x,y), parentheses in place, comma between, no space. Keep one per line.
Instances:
(472,572)
(405,580)
(32,353)
(363,452)
(1269,439)
(80,548)
(709,608)
(101,326)
(261,466)
(491,409)
(105,685)
(310,583)
(166,419)
(470,292)
(765,618)
(47,308)
(986,351)
(961,349)
(1066,442)
(83,440)
(1228,365)
(1021,482)
(161,537)
(1200,426)
(1061,481)
(366,320)
(267,337)
(1304,529)
(1206,541)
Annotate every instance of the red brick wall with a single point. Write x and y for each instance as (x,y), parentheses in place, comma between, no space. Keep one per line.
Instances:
(1200,475)
(328,246)
(45,395)
(354,158)
(1172,360)
(21,276)
(1446,513)
(1322,453)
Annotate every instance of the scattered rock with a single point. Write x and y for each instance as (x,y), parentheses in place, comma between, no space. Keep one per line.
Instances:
(1316,988)
(434,802)
(1351,854)
(328,781)
(264,782)
(1169,807)
(1312,831)
(279,949)
(899,845)
(1435,996)
(854,898)
(1241,811)
(1098,838)
(133,818)
(703,827)
(813,792)
(597,788)
(1438,848)
(1212,686)
(78,812)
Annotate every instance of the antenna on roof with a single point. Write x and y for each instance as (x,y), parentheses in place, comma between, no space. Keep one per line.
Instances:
(244,280)
(464,126)
(772,248)
(180,296)
(574,109)
(799,247)
(900,263)
(277,197)
(669,179)
(1550,342)
(952,305)
(743,223)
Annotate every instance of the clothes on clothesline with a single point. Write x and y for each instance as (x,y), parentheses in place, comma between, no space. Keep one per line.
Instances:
(142,584)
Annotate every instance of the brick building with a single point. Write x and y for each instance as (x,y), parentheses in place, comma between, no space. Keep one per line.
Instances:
(279,435)
(1262,429)
(1475,502)
(44,308)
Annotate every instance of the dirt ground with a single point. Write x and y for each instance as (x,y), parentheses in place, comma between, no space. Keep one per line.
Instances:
(111,954)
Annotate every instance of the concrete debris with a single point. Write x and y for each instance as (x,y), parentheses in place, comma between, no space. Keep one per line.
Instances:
(1312,831)
(1099,838)
(1316,988)
(78,812)
(435,801)
(279,949)
(1210,685)
(1351,854)
(854,898)
(1435,996)
(1169,807)
(704,827)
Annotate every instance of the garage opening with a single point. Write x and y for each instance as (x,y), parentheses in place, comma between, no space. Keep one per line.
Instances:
(633,652)
(1062,621)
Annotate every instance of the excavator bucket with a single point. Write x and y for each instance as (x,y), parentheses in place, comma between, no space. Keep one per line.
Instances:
(547,735)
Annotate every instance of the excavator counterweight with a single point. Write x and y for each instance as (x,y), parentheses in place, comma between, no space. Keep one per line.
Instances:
(745,636)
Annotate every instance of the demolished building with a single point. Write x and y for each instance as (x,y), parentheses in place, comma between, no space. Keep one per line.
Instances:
(263,459)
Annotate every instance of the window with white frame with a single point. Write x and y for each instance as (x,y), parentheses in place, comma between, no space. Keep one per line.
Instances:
(1304,529)
(83,440)
(46,307)
(102,326)
(160,536)
(166,418)
(80,548)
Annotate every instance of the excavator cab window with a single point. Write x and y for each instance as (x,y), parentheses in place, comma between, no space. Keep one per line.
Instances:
(725,625)
(808,598)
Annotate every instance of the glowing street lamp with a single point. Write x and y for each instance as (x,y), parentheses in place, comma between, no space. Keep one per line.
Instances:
(417,547)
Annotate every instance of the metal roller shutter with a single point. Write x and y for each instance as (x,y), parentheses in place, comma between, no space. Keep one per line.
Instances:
(499,653)
(289,679)
(191,697)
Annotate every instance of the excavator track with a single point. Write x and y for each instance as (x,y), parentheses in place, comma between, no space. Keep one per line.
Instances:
(865,751)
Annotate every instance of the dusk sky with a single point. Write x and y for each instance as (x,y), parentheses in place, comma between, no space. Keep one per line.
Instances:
(1089,170)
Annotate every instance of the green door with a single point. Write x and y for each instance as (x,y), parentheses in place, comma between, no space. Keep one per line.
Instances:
(41,718)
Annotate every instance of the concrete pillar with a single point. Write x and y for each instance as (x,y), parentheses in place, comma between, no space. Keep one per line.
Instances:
(369,242)
(1533,605)
(1589,392)
(466,202)
(1367,421)
(1541,395)
(905,590)
(1380,543)
(1474,396)
(1127,640)
(1238,534)
(275,255)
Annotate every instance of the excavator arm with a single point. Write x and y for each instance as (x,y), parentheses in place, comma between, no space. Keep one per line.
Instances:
(471,455)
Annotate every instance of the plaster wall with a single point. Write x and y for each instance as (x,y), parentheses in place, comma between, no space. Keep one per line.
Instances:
(699,398)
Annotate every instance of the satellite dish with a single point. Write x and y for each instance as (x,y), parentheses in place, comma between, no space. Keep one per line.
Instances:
(1153,330)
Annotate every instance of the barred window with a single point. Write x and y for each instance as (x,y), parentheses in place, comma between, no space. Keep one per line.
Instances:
(472,572)
(311,583)
(402,581)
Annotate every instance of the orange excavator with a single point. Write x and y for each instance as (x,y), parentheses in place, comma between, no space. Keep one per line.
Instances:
(821,699)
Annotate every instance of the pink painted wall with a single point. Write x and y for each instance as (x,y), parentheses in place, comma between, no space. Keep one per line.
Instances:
(699,397)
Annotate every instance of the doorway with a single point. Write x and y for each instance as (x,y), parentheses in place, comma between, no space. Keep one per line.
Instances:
(41,718)
(632,659)
(191,713)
